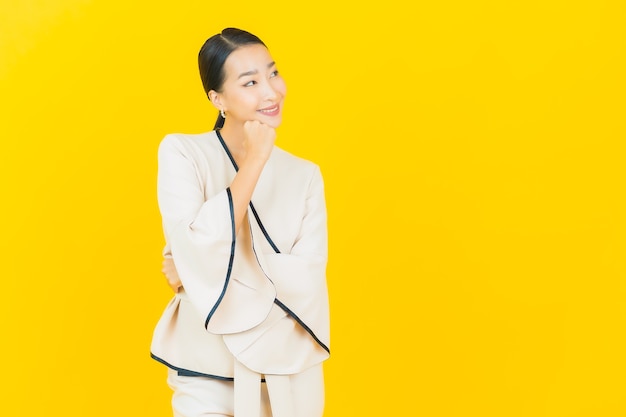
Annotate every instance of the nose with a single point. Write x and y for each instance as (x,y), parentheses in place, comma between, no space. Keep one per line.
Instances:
(269,92)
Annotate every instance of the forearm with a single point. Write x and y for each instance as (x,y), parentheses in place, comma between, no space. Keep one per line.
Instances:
(243,186)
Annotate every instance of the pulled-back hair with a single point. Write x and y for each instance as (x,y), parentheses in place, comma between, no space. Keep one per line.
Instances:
(212,57)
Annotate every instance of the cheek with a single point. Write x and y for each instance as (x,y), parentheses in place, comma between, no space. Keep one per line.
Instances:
(281,87)
(243,99)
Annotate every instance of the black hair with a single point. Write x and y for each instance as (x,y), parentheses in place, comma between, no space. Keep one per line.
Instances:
(212,57)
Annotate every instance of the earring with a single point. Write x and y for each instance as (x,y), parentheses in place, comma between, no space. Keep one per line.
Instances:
(223,114)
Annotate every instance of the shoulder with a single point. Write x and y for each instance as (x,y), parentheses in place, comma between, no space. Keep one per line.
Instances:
(188,144)
(294,172)
(286,161)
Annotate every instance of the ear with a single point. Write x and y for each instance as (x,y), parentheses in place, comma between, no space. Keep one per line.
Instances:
(216,99)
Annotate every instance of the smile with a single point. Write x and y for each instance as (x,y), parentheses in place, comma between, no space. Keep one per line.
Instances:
(270,111)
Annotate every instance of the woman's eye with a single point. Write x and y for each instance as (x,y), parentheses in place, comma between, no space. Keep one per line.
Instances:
(249,84)
(274,73)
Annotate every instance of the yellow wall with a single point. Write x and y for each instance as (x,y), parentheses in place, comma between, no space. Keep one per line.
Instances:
(473,154)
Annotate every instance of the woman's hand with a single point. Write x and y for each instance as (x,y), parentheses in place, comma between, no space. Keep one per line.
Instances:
(171,274)
(259,140)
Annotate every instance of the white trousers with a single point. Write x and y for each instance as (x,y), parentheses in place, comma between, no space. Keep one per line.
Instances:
(199,396)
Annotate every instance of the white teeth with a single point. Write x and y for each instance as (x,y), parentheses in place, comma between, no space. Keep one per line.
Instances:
(273,109)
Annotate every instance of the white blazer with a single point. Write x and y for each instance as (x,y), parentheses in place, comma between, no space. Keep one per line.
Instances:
(259,298)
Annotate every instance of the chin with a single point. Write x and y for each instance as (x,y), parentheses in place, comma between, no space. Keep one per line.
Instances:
(273,122)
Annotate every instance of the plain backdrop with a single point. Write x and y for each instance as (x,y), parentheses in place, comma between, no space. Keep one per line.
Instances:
(473,156)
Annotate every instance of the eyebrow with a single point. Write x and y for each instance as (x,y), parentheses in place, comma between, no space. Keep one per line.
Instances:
(247,73)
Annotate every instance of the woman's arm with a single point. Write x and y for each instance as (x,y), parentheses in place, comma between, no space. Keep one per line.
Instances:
(258,144)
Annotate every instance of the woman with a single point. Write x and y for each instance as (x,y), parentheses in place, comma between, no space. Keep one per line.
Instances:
(245,228)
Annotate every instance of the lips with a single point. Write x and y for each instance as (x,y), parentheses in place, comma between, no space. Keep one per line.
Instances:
(270,111)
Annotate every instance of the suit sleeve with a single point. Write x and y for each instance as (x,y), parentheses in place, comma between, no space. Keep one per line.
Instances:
(300,275)
(200,235)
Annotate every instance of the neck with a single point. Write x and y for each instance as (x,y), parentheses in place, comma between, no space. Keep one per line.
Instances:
(234,137)
(232,134)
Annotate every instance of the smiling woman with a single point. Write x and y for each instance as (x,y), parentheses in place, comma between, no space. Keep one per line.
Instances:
(252,88)
(248,329)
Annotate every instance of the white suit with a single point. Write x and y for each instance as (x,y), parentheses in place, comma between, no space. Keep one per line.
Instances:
(256,302)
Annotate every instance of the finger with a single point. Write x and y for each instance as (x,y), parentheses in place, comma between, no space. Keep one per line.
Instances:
(176,286)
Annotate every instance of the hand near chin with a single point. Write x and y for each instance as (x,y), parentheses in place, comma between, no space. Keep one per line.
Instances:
(259,139)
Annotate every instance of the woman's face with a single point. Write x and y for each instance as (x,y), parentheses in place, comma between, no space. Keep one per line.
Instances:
(253,89)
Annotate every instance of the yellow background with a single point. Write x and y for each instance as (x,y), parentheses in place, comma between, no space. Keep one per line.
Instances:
(473,154)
